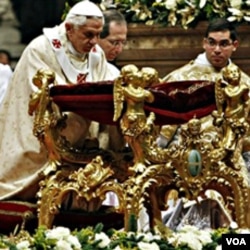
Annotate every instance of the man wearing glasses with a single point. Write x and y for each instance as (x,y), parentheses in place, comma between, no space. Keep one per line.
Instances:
(219,43)
(114,34)
(112,40)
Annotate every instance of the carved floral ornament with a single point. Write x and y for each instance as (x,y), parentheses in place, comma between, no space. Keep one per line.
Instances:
(186,13)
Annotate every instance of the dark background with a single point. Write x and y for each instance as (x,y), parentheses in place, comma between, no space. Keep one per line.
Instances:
(33,15)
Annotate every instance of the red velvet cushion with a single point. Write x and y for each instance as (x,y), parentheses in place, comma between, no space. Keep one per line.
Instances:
(91,100)
(178,102)
(175,102)
(183,96)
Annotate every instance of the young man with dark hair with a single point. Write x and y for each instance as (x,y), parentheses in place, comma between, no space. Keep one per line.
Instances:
(219,43)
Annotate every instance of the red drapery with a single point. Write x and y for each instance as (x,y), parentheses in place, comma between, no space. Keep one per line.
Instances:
(175,102)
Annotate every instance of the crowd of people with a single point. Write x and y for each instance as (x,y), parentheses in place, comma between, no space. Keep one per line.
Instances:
(82,48)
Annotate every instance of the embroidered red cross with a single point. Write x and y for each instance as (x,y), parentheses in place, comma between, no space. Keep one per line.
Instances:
(81,78)
(56,43)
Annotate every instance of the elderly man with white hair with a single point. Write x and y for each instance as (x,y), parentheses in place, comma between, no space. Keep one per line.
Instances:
(71,51)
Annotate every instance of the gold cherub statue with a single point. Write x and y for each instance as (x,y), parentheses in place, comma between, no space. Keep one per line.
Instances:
(232,99)
(130,87)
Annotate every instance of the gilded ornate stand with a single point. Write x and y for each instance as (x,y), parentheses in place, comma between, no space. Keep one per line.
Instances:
(202,158)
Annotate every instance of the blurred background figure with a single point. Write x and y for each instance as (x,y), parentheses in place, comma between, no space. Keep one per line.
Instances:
(5,10)
(5,57)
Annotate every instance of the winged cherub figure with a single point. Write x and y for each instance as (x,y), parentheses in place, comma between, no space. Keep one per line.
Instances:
(129,88)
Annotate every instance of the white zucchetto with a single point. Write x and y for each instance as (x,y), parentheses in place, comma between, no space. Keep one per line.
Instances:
(85,8)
